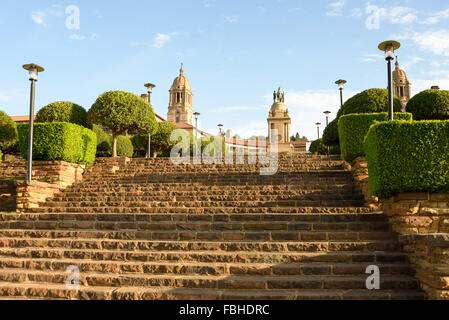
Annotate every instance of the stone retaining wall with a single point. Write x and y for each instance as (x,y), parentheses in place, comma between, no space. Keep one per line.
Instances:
(422,221)
(418,213)
(430,256)
(49,177)
(359,169)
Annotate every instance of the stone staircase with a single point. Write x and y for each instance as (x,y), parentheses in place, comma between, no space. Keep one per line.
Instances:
(149,229)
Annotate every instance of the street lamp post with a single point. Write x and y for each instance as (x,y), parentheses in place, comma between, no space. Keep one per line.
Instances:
(318,124)
(220,127)
(149,87)
(33,71)
(327,113)
(341,84)
(196,115)
(389,48)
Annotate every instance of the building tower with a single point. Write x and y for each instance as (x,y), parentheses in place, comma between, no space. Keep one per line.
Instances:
(401,86)
(279,119)
(180,107)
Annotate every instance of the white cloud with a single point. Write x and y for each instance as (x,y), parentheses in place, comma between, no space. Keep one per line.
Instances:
(437,16)
(238,108)
(94,35)
(206,3)
(231,19)
(400,15)
(39,17)
(372,57)
(77,37)
(160,40)
(425,84)
(357,13)
(435,41)
(335,8)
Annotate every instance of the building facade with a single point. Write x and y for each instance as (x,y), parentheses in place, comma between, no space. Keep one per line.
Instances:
(279,119)
(401,86)
(180,107)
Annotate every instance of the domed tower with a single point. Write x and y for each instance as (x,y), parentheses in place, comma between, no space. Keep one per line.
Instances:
(401,85)
(180,108)
(279,119)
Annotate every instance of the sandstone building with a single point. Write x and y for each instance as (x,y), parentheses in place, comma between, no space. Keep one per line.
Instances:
(180,108)
(279,119)
(401,86)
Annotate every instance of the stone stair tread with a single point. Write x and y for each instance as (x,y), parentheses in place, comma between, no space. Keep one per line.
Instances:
(58,291)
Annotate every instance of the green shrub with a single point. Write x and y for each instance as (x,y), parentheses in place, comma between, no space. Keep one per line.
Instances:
(368,101)
(104,143)
(1,156)
(334,150)
(124,147)
(63,111)
(8,133)
(330,134)
(318,147)
(140,144)
(430,105)
(408,157)
(59,141)
(122,113)
(353,128)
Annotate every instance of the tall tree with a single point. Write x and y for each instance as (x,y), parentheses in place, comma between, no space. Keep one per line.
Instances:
(122,113)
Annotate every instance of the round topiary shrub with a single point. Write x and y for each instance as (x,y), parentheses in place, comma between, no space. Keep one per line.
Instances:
(124,147)
(334,150)
(8,133)
(430,105)
(104,142)
(318,147)
(330,134)
(369,101)
(62,111)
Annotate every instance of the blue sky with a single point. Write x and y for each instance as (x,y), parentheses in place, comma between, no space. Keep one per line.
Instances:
(235,53)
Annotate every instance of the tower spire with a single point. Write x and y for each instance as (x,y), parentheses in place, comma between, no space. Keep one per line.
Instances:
(181,71)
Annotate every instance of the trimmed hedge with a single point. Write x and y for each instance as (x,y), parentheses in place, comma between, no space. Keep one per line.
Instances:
(330,134)
(318,147)
(408,157)
(124,147)
(63,111)
(368,101)
(1,156)
(59,141)
(352,129)
(334,150)
(104,146)
(430,105)
(8,132)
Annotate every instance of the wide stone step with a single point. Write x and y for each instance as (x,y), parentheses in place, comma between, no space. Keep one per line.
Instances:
(159,233)
(228,246)
(49,291)
(201,210)
(207,197)
(205,256)
(210,193)
(219,218)
(206,204)
(201,268)
(90,279)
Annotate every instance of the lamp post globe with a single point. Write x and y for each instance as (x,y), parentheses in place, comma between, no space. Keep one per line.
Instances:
(327,113)
(33,71)
(318,124)
(341,85)
(389,47)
